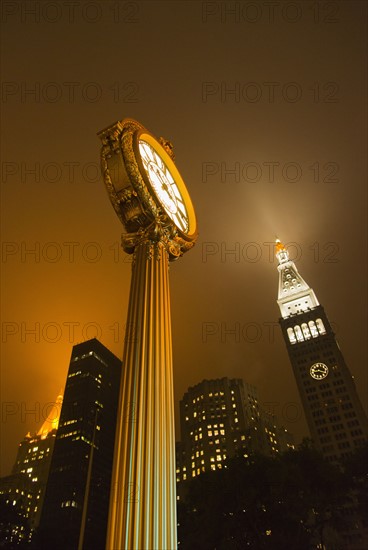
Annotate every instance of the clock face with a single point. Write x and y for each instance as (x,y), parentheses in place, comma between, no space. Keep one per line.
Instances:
(165,181)
(319,371)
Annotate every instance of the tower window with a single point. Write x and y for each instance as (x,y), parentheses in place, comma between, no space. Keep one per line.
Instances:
(306,333)
(291,335)
(313,329)
(298,333)
(320,326)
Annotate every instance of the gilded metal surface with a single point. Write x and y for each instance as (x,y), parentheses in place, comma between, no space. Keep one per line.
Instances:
(128,193)
(168,146)
(142,513)
(158,233)
(143,492)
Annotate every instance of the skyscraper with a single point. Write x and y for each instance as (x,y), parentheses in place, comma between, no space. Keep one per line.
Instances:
(25,488)
(76,503)
(335,416)
(220,419)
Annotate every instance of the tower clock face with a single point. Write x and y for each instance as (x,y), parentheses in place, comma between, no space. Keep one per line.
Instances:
(319,371)
(165,182)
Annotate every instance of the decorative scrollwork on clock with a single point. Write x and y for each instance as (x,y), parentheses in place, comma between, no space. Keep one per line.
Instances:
(146,189)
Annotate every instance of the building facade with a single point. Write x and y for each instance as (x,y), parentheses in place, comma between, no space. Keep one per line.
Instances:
(76,503)
(220,419)
(335,416)
(25,488)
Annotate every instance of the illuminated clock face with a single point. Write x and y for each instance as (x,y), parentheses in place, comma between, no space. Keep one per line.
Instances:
(319,371)
(164,185)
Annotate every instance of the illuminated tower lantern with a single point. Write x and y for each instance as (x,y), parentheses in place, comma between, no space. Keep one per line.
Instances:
(334,413)
(153,204)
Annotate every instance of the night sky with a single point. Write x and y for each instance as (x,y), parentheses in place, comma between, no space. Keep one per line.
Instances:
(266,108)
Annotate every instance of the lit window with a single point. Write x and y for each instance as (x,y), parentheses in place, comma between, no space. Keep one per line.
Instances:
(320,326)
(298,333)
(306,333)
(313,329)
(291,335)
(68,503)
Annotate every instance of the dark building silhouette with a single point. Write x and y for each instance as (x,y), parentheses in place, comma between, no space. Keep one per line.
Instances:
(16,505)
(220,419)
(335,416)
(24,489)
(76,503)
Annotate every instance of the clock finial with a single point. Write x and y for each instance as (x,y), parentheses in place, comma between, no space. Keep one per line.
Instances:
(168,146)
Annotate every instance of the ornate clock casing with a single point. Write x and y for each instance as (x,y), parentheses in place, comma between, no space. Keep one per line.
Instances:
(145,186)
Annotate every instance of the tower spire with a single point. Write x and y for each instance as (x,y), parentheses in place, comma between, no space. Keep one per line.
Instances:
(294,296)
(52,420)
(281,252)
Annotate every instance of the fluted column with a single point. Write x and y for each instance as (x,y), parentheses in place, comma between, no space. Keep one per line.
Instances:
(143,495)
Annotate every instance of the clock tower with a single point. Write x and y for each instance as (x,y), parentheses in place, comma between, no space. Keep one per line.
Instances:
(335,416)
